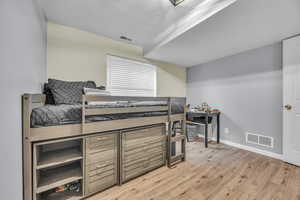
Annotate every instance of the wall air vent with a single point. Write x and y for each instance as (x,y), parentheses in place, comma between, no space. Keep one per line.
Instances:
(176,2)
(260,140)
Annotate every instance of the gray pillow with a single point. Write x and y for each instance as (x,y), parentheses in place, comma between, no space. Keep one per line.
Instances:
(96,92)
(65,92)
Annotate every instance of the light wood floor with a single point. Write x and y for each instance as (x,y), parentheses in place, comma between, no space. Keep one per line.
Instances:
(218,173)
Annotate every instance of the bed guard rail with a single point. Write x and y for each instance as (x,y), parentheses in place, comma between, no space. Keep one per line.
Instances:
(96,110)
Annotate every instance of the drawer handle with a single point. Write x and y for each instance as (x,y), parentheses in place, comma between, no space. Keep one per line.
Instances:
(99,166)
(103,165)
(103,138)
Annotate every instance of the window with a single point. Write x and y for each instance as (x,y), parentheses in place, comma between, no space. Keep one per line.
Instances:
(130,78)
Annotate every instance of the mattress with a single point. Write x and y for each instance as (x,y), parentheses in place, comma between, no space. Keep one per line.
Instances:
(53,115)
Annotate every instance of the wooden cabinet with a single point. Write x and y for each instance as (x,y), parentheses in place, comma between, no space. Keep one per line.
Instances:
(142,150)
(95,162)
(101,162)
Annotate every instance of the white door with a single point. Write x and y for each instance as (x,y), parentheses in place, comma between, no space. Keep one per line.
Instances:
(291,113)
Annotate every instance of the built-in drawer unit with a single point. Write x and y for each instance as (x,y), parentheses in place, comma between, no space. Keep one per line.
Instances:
(75,168)
(143,150)
(101,162)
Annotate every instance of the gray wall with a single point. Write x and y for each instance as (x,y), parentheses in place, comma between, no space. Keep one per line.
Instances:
(22,69)
(247,88)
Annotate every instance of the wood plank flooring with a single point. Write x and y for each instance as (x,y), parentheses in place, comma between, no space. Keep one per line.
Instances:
(217,173)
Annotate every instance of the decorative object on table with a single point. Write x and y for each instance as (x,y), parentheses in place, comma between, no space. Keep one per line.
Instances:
(204,107)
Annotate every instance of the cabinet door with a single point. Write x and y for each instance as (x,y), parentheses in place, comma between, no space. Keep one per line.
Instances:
(142,150)
(101,162)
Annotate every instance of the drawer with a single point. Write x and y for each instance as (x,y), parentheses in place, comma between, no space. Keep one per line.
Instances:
(143,155)
(94,148)
(142,166)
(98,176)
(132,144)
(147,132)
(143,147)
(100,170)
(101,143)
(155,162)
(100,138)
(101,162)
(101,156)
(136,161)
(133,170)
(101,184)
(100,166)
(132,174)
(144,152)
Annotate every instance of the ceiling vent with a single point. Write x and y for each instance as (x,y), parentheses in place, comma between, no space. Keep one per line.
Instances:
(125,38)
(176,2)
(261,140)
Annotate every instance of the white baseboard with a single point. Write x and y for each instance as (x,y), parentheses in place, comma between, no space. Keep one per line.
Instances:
(248,148)
(253,149)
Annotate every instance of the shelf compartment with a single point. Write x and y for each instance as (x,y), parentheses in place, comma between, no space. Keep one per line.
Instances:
(63,196)
(50,154)
(59,157)
(55,177)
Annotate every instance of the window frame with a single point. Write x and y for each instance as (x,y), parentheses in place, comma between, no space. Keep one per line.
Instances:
(108,72)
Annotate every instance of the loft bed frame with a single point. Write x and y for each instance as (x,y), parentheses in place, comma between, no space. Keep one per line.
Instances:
(31,101)
(39,134)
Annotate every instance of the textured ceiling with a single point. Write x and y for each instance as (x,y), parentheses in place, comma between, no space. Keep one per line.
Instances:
(187,35)
(140,20)
(244,25)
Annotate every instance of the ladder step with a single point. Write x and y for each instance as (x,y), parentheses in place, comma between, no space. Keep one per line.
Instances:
(177,158)
(194,123)
(175,163)
(179,132)
(177,138)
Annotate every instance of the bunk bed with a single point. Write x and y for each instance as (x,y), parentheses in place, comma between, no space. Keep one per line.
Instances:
(97,146)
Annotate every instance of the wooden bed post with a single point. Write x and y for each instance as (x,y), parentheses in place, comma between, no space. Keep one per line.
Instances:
(169,151)
(183,144)
(29,101)
(27,149)
(83,114)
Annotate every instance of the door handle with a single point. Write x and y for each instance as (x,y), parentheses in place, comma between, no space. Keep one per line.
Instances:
(288,107)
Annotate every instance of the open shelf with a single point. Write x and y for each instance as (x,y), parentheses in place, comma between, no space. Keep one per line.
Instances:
(63,196)
(59,157)
(52,178)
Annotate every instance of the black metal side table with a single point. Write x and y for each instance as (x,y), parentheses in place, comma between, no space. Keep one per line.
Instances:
(193,115)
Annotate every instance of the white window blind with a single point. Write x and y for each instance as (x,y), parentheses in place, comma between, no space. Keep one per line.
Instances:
(130,78)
